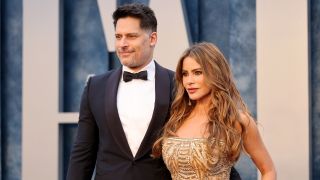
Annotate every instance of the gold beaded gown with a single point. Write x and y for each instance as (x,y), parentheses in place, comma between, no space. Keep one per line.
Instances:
(189,158)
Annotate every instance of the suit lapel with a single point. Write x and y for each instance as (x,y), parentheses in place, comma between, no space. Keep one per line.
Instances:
(162,100)
(112,116)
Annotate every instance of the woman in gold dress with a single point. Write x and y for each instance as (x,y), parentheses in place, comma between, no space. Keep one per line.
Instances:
(209,124)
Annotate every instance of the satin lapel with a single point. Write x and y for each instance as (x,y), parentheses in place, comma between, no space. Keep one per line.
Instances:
(162,100)
(112,116)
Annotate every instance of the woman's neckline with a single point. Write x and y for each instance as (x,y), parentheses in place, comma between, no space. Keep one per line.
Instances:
(187,138)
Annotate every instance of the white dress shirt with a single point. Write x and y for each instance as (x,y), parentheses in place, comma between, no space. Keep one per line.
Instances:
(135,103)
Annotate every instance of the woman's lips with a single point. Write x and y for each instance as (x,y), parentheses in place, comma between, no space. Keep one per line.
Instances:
(192,90)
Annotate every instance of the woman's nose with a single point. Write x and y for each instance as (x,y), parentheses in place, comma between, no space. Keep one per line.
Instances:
(190,79)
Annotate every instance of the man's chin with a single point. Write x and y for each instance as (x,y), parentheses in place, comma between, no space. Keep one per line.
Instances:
(129,65)
(126,62)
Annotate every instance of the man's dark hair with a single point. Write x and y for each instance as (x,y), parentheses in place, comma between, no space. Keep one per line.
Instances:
(140,11)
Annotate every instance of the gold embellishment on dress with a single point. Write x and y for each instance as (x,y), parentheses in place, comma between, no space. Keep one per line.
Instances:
(188,158)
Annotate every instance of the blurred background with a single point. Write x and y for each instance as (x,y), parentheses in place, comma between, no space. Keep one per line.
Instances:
(272,47)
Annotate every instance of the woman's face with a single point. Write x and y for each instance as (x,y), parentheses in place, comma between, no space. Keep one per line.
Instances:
(193,80)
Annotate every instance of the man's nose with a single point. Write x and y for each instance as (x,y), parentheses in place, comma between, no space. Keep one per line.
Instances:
(123,42)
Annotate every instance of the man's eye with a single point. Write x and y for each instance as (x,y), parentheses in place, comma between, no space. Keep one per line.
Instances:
(132,36)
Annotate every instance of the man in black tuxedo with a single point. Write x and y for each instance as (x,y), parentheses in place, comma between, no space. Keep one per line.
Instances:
(122,111)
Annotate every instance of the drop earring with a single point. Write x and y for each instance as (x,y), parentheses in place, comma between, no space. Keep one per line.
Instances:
(189,103)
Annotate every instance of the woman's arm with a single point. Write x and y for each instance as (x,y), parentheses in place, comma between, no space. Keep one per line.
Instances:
(254,146)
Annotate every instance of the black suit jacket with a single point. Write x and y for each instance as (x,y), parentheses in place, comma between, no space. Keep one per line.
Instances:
(101,141)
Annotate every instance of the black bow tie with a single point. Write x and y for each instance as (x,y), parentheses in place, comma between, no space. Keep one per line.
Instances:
(128,76)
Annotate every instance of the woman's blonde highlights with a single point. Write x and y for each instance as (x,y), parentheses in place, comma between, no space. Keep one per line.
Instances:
(225,105)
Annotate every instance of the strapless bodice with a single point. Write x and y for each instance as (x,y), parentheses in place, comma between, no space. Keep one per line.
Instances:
(189,158)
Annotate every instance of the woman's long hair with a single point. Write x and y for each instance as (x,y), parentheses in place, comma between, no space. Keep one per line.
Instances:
(224,107)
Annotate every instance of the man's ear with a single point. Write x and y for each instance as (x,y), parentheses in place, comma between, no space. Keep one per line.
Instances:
(153,38)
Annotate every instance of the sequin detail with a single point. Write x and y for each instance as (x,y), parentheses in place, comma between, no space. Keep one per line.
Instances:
(188,158)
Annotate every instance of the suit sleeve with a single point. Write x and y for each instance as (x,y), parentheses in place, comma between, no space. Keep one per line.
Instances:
(84,151)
